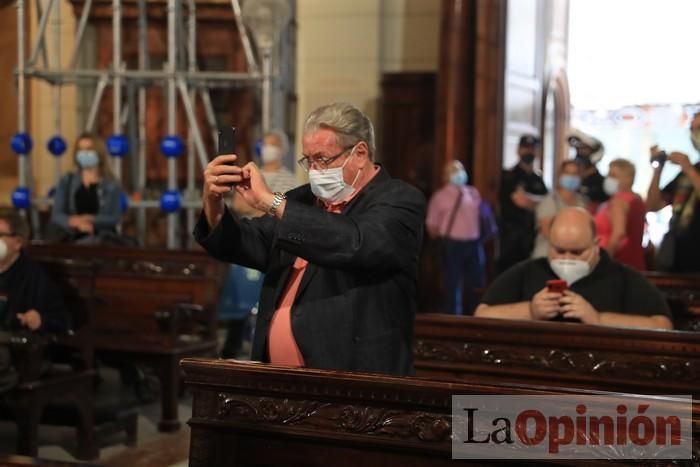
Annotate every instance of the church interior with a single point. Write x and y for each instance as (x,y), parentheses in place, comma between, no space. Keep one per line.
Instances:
(567,266)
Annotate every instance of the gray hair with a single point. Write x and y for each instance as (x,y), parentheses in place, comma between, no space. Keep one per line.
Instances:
(348,123)
(281,137)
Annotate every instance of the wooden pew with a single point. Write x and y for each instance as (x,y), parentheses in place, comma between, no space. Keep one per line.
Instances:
(568,355)
(154,307)
(682,291)
(246,414)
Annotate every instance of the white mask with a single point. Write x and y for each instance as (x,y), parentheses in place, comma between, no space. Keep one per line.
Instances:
(611,186)
(3,249)
(329,185)
(270,153)
(570,270)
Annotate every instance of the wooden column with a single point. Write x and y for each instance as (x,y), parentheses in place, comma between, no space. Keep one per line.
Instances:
(469,115)
(455,85)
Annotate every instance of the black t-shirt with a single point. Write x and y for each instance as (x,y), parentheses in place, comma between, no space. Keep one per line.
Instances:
(532,183)
(680,193)
(28,287)
(611,287)
(592,188)
(86,199)
(4,296)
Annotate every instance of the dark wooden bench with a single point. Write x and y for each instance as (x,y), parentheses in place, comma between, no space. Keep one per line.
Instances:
(557,354)
(682,291)
(153,308)
(248,414)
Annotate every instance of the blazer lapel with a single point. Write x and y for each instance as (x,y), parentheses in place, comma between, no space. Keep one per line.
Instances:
(382,176)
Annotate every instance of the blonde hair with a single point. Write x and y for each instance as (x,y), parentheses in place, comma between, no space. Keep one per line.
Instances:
(624,166)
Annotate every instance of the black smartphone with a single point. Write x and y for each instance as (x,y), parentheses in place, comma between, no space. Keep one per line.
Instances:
(227,140)
(659,159)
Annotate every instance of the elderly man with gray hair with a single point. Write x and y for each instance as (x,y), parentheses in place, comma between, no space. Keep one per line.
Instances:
(340,254)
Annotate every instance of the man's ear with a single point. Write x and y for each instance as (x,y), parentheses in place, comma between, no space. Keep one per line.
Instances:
(362,150)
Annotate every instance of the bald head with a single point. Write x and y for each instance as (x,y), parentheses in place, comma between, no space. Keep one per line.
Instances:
(572,235)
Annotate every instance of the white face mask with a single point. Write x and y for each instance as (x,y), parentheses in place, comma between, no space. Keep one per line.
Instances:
(329,185)
(3,250)
(611,186)
(570,270)
(270,153)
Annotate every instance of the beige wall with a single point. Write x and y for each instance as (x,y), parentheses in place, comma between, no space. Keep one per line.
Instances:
(41,111)
(344,47)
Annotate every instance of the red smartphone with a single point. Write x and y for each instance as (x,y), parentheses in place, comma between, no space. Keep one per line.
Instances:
(557,285)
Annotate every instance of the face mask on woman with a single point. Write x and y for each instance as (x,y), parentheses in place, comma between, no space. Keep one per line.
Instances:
(611,186)
(87,158)
(569,182)
(459,178)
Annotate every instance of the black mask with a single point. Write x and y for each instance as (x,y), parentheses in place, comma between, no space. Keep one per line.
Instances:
(528,158)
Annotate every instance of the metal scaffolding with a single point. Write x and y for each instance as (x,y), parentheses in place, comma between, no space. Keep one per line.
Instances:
(180,76)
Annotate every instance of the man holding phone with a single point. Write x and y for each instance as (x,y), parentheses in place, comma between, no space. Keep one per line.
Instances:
(597,289)
(340,254)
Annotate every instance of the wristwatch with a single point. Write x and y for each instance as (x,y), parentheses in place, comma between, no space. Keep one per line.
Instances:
(279,197)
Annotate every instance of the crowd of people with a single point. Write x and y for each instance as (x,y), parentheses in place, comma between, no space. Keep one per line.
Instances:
(343,250)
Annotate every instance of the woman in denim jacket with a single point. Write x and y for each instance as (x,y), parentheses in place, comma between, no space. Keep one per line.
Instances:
(87,201)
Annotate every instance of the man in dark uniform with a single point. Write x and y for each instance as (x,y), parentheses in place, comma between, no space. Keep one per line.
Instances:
(589,151)
(521,189)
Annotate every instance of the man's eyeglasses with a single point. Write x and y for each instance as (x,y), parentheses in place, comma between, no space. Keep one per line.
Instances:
(321,163)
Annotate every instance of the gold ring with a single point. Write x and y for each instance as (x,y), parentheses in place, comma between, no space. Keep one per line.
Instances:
(216,179)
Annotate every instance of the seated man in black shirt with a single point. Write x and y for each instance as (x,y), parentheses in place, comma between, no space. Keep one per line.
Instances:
(600,290)
(28,299)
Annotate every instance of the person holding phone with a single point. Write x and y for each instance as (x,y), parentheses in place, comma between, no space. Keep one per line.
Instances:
(683,193)
(275,146)
(340,254)
(598,289)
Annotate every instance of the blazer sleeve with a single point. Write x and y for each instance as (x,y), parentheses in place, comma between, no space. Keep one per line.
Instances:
(386,235)
(246,242)
(59,213)
(110,213)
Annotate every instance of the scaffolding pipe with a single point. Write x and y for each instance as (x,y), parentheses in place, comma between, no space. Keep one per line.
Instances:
(192,120)
(266,89)
(21,97)
(39,12)
(194,77)
(245,40)
(40,34)
(209,113)
(79,33)
(143,63)
(171,114)
(94,107)
(116,80)
(57,88)
(192,67)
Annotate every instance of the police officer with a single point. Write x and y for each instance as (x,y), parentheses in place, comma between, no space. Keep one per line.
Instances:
(589,151)
(521,189)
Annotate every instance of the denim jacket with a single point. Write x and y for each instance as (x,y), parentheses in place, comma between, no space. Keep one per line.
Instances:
(109,212)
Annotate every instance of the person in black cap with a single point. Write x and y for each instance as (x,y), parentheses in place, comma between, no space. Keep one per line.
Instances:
(521,189)
(589,151)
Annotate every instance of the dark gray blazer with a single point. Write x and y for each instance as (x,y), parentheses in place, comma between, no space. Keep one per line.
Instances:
(355,307)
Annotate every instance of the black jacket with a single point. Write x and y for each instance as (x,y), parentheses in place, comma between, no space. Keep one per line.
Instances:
(27,287)
(356,304)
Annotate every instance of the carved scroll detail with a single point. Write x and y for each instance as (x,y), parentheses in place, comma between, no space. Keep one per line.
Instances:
(604,364)
(357,419)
